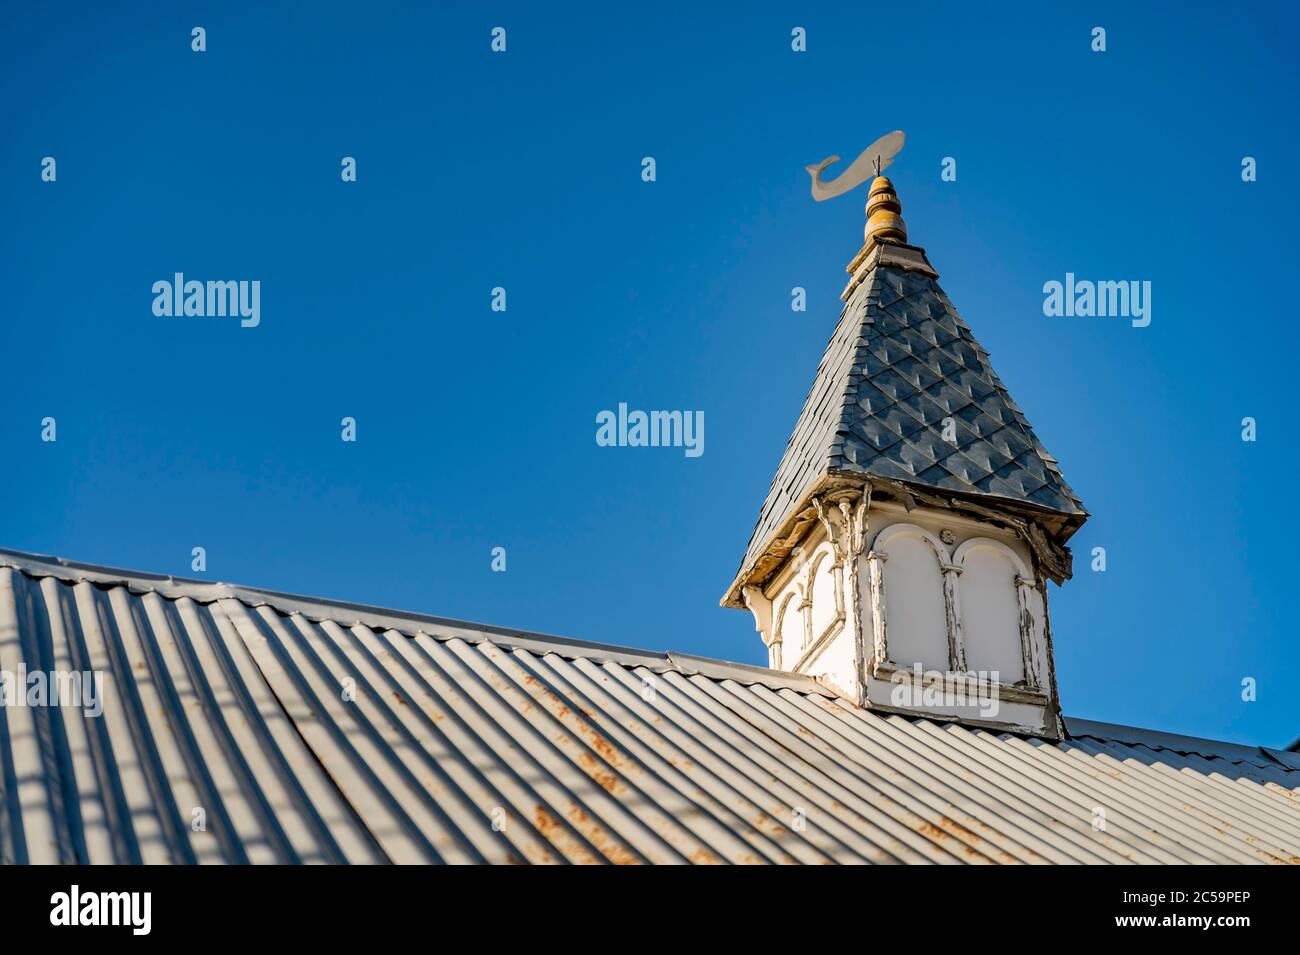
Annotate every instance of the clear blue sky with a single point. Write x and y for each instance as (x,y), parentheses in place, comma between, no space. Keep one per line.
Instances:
(476,428)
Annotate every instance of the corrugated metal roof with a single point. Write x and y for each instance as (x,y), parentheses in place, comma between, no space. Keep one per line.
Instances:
(315,731)
(899,363)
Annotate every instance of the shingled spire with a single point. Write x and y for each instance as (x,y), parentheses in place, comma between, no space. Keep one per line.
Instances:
(906,419)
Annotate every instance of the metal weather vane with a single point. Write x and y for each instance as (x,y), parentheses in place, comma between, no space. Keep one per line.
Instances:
(871,162)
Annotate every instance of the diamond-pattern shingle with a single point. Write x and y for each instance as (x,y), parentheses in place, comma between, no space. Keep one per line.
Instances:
(900,361)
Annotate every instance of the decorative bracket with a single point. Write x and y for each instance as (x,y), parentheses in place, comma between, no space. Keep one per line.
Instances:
(761,608)
(847,530)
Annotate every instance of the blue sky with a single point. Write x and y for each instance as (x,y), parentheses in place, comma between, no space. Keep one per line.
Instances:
(522,170)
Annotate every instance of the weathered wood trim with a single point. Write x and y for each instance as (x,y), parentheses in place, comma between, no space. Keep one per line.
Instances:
(1007,692)
(832,630)
(855,519)
(880,647)
(1028,648)
(952,614)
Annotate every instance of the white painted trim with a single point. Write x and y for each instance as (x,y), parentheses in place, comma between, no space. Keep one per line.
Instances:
(959,557)
(899,530)
(761,608)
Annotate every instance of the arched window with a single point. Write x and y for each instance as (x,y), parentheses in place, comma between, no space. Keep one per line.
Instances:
(826,609)
(994,619)
(789,629)
(909,591)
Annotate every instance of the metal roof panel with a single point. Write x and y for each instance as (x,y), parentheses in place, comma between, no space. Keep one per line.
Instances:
(301,730)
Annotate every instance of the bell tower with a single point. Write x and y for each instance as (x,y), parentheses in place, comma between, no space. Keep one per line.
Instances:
(903,552)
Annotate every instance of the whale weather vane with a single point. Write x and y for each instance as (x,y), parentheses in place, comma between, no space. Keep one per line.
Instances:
(873,160)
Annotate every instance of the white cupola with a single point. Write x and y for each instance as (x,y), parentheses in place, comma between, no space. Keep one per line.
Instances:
(903,552)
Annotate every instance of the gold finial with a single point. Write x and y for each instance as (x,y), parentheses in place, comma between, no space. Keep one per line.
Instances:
(883,208)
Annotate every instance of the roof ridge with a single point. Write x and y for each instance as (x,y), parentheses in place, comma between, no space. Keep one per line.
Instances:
(862,290)
(1078,728)
(317,609)
(844,383)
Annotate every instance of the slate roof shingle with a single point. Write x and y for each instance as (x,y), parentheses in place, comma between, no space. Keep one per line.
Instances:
(900,361)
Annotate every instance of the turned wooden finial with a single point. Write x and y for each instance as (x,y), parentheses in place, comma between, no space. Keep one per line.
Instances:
(883,213)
